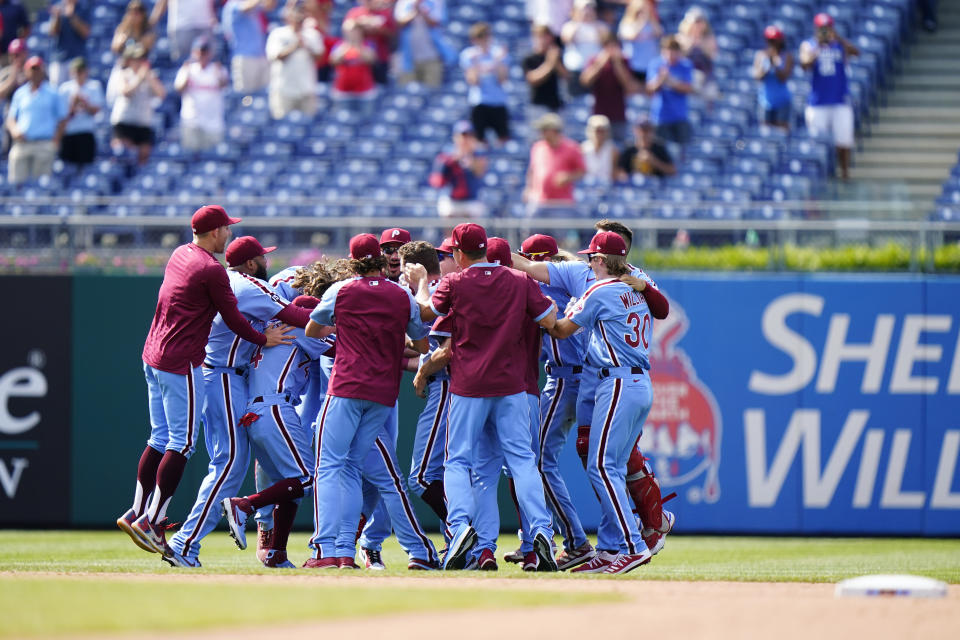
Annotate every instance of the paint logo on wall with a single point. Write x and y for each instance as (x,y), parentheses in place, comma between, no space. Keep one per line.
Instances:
(682,434)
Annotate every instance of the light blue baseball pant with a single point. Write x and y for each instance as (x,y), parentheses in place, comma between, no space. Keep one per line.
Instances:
(175,402)
(229,451)
(587,397)
(621,408)
(378,526)
(467,418)
(426,464)
(283,447)
(488,465)
(526,540)
(558,405)
(348,430)
(313,395)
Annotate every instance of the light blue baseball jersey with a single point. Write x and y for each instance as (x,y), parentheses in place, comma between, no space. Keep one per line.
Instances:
(285,367)
(561,353)
(281,283)
(437,334)
(574,277)
(256,300)
(619,322)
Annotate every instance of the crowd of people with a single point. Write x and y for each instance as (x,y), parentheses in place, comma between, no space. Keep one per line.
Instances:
(610,50)
(302,372)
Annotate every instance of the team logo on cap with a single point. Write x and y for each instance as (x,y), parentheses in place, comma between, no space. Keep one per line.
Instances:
(395,233)
(682,435)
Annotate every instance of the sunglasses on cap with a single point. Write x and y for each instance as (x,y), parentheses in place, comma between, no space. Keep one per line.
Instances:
(389,249)
(534,254)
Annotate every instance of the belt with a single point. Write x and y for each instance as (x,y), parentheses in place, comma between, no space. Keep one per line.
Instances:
(563,372)
(619,372)
(240,371)
(273,398)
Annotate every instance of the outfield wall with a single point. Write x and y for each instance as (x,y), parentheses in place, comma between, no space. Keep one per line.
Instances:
(791,404)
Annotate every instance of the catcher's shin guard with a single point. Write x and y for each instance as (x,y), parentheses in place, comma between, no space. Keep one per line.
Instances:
(644,489)
(583,443)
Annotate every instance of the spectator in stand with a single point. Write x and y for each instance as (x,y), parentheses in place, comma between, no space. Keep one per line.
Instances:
(610,81)
(829,112)
(187,21)
(13,75)
(317,18)
(293,52)
(647,155)
(375,19)
(485,67)
(583,37)
(84,98)
(15,23)
(556,164)
(132,114)
(543,69)
(134,28)
(353,60)
(772,67)
(245,30)
(36,122)
(599,151)
(700,47)
(928,15)
(200,83)
(669,79)
(70,26)
(552,13)
(421,46)
(462,171)
(640,32)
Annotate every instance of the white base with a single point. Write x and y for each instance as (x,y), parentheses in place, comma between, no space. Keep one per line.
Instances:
(892,585)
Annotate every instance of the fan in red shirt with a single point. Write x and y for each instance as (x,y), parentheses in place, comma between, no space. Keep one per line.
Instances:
(375,19)
(352,60)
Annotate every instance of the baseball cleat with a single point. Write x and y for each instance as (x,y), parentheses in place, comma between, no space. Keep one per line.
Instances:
(530,561)
(628,562)
(514,557)
(656,539)
(544,550)
(370,558)
(174,559)
(460,547)
(153,536)
(571,558)
(236,520)
(125,522)
(346,562)
(277,559)
(416,564)
(598,564)
(487,561)
(322,563)
(264,542)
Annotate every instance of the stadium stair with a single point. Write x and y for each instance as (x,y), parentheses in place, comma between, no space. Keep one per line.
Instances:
(914,141)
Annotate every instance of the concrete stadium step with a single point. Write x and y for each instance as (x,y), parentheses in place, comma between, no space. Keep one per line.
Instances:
(929,65)
(946,114)
(900,145)
(929,80)
(914,158)
(916,128)
(931,98)
(900,173)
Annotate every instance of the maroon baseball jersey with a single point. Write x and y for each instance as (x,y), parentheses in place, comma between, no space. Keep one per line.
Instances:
(371,315)
(195,287)
(492,307)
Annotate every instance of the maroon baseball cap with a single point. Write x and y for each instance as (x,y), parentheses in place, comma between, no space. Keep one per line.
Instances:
(773,32)
(469,237)
(447,245)
(307,302)
(17,45)
(210,217)
(498,250)
(33,61)
(608,243)
(363,246)
(539,247)
(823,20)
(397,236)
(245,248)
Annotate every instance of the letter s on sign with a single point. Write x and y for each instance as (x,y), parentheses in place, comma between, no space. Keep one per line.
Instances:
(22,382)
(778,334)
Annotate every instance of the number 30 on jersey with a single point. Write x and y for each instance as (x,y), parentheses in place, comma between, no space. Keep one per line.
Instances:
(639,333)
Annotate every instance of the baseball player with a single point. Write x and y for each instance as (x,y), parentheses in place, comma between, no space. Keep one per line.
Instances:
(574,278)
(225,389)
(282,444)
(619,322)
(372,316)
(390,242)
(490,305)
(195,288)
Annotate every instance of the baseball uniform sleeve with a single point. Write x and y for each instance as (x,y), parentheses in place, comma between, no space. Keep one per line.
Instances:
(442,298)
(218,286)
(562,276)
(584,313)
(257,300)
(313,347)
(416,329)
(538,305)
(324,312)
(658,303)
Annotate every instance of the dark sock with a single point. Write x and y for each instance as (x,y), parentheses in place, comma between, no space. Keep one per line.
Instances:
(288,489)
(146,478)
(283,517)
(433,496)
(169,473)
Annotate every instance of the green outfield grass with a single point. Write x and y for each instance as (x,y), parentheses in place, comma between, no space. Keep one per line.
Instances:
(684,558)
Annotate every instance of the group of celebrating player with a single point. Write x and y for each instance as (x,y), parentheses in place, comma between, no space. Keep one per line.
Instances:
(310,387)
